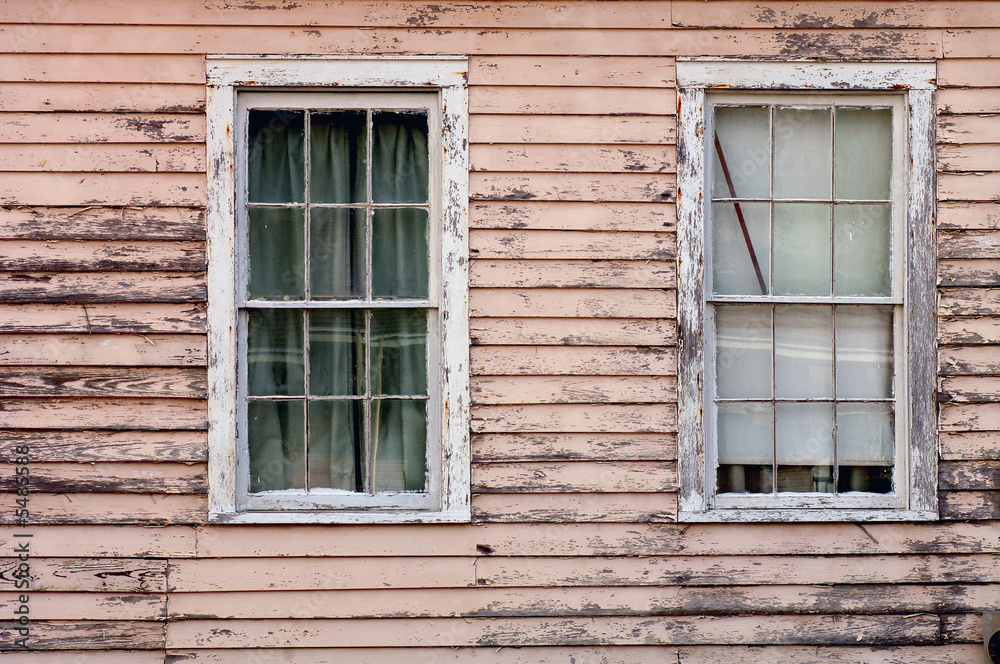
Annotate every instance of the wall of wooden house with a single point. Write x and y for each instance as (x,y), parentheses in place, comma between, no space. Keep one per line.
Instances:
(574,554)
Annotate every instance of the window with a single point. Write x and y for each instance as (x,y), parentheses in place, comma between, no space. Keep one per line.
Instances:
(338,319)
(806,291)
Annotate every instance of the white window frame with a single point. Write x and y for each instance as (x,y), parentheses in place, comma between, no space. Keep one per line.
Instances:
(916,460)
(375,77)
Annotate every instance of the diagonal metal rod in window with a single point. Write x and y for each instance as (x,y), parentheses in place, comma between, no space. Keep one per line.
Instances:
(739,215)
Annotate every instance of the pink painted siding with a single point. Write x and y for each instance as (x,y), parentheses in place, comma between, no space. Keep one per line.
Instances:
(574,553)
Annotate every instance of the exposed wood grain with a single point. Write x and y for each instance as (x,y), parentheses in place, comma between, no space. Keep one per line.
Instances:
(573,332)
(969,301)
(561,100)
(96,222)
(95,509)
(92,477)
(234,574)
(968,244)
(968,475)
(968,360)
(963,389)
(97,541)
(90,635)
(102,157)
(970,505)
(628,187)
(554,273)
(103,318)
(570,360)
(99,575)
(84,445)
(103,349)
(95,287)
(102,97)
(572,303)
(101,128)
(573,158)
(545,631)
(970,417)
(575,477)
(589,129)
(140,414)
(573,216)
(51,605)
(103,189)
(565,244)
(984,330)
(559,510)
(568,389)
(962,628)
(575,418)
(972,272)
(958,446)
(100,255)
(103,381)
(838,14)
(573,446)
(733,570)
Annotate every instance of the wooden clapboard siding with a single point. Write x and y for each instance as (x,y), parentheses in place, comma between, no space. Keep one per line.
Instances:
(574,550)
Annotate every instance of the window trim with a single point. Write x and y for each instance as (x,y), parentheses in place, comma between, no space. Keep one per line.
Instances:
(445,75)
(915,80)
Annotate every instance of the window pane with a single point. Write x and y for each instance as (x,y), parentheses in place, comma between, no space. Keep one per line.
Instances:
(336,352)
(802,160)
(863,153)
(399,352)
(336,445)
(275,352)
(861,250)
(803,352)
(804,447)
(745,433)
(276,160)
(399,157)
(337,253)
(338,157)
(399,445)
(864,434)
(802,249)
(400,253)
(277,254)
(733,270)
(864,352)
(743,352)
(744,134)
(276,437)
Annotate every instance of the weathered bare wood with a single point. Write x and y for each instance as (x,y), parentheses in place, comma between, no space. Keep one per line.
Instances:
(52,605)
(969,331)
(970,417)
(572,158)
(572,100)
(970,505)
(103,381)
(95,477)
(968,360)
(567,389)
(83,256)
(969,302)
(572,360)
(612,187)
(560,510)
(574,418)
(573,216)
(97,222)
(575,477)
(577,303)
(563,244)
(103,318)
(959,446)
(573,332)
(90,445)
(90,635)
(876,14)
(968,244)
(102,508)
(102,97)
(102,128)
(87,287)
(589,129)
(962,628)
(485,273)
(969,475)
(100,575)
(969,389)
(570,446)
(103,349)
(545,631)
(118,414)
(966,273)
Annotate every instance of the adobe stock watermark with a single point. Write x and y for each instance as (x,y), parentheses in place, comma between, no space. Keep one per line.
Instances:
(22,547)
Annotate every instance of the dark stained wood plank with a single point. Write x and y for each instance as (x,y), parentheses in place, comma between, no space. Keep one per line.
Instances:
(103,575)
(93,477)
(94,256)
(103,381)
(102,223)
(96,445)
(87,287)
(969,475)
(91,635)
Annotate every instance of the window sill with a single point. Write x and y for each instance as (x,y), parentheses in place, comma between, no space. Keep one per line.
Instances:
(340,517)
(804,515)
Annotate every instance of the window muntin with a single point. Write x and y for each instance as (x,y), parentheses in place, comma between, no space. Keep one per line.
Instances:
(804,295)
(338,304)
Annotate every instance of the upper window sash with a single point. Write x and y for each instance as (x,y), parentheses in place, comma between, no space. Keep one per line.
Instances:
(914,81)
(446,77)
